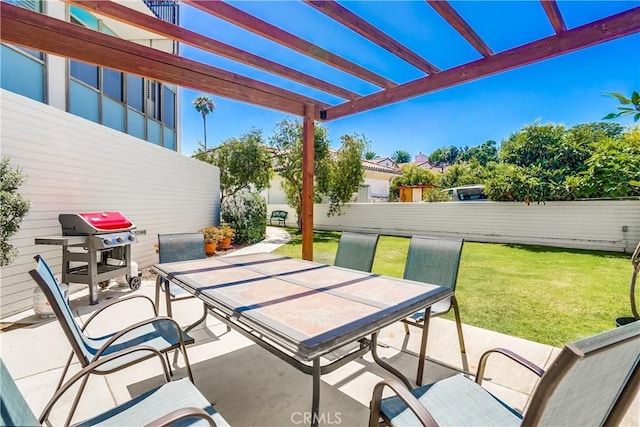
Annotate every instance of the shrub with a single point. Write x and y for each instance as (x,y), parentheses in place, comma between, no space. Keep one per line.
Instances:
(14,208)
(246,212)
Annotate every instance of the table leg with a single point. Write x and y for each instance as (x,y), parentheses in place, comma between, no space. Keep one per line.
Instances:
(315,403)
(423,345)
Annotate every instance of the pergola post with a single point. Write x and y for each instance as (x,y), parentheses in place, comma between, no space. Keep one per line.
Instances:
(306,204)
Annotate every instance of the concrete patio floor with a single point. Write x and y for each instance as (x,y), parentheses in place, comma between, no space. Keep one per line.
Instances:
(248,385)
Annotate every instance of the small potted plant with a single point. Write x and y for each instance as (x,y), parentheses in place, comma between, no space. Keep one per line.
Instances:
(227,236)
(212,236)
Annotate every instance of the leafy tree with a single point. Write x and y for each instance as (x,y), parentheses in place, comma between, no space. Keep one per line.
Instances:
(462,173)
(204,105)
(444,156)
(614,168)
(336,177)
(633,110)
(484,153)
(287,141)
(346,172)
(243,162)
(534,144)
(14,208)
(401,156)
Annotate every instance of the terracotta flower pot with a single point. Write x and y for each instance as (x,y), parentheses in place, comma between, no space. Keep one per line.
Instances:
(225,243)
(209,248)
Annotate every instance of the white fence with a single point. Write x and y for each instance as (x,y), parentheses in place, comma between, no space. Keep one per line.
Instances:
(74,165)
(609,225)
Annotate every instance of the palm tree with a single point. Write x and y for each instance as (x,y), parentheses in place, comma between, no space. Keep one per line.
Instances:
(205,106)
(370,155)
(401,156)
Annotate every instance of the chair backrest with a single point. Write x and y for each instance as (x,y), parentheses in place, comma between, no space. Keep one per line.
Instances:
(14,410)
(180,247)
(356,251)
(434,260)
(592,381)
(45,279)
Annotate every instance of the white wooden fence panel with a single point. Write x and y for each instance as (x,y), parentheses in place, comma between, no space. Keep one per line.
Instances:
(74,165)
(593,224)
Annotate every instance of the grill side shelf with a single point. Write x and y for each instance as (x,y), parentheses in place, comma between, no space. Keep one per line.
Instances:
(61,240)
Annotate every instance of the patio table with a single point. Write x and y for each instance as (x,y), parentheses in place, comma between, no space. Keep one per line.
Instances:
(301,310)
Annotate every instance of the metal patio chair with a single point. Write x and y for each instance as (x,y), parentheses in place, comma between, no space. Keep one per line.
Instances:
(174,401)
(159,332)
(174,248)
(591,382)
(356,251)
(436,261)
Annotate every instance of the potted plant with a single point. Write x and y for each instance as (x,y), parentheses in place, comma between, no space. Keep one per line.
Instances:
(227,235)
(212,236)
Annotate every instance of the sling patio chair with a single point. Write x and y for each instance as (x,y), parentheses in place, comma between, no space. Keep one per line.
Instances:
(159,332)
(178,247)
(592,382)
(173,402)
(356,251)
(436,261)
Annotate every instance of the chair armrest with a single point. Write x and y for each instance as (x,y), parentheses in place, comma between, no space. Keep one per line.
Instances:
(405,395)
(90,368)
(511,355)
(180,414)
(111,304)
(118,335)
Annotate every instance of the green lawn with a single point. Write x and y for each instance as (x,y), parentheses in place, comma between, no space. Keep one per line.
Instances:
(548,295)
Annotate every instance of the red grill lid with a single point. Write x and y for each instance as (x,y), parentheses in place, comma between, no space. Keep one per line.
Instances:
(82,224)
(106,220)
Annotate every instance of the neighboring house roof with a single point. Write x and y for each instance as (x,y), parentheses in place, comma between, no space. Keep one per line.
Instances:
(370,165)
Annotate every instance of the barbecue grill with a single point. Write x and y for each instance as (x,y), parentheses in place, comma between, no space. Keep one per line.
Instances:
(96,247)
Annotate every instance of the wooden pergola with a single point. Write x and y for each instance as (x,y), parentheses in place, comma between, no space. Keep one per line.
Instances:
(36,31)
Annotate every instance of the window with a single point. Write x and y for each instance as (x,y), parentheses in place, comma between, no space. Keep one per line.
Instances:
(84,72)
(112,83)
(169,110)
(135,92)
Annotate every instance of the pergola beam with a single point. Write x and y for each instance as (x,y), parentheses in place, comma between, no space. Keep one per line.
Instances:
(372,33)
(610,28)
(456,21)
(257,26)
(553,13)
(140,20)
(40,32)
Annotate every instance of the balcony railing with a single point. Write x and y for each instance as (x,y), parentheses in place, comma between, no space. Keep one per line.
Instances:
(166,10)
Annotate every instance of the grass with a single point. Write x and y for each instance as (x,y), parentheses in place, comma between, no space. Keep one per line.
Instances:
(543,294)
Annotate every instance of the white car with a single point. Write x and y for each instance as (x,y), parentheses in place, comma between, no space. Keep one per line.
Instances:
(467,193)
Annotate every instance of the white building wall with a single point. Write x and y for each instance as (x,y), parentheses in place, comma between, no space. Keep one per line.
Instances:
(378,182)
(75,165)
(597,224)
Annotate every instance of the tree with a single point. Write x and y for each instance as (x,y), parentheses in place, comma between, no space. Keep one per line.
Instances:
(287,142)
(633,110)
(14,208)
(243,162)
(444,156)
(484,153)
(204,105)
(335,178)
(614,168)
(370,155)
(401,156)
(346,172)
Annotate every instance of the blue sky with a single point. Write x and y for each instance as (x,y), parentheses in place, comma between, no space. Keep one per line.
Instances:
(564,90)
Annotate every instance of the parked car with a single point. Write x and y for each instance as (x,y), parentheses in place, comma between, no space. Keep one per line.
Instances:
(467,193)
